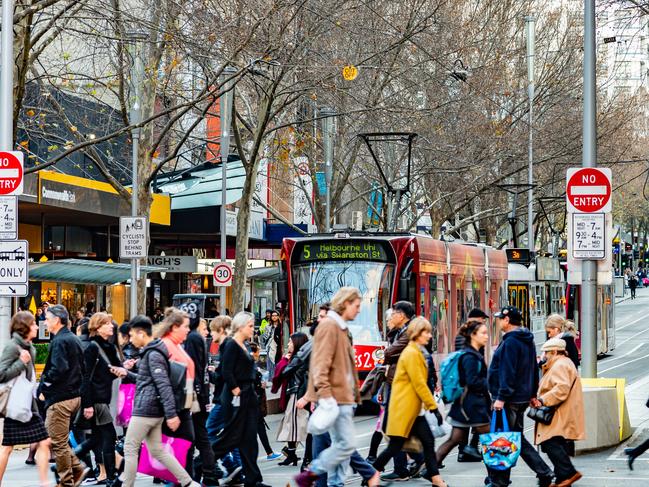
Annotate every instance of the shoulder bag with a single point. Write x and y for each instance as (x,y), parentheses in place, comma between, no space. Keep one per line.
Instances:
(545,414)
(5,392)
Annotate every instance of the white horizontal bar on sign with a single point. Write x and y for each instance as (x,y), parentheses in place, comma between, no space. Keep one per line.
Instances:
(590,190)
(8,173)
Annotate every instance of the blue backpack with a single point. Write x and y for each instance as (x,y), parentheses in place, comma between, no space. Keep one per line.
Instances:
(450,372)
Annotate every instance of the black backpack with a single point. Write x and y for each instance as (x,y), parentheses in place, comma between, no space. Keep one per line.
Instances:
(177,378)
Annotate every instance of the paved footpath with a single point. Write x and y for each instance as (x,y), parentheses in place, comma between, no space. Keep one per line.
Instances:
(605,468)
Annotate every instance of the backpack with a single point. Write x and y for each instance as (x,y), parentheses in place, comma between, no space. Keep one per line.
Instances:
(450,372)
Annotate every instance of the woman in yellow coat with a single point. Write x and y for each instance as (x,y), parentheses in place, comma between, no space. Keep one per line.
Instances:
(410,397)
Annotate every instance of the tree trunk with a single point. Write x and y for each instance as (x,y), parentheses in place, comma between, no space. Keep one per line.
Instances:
(243,226)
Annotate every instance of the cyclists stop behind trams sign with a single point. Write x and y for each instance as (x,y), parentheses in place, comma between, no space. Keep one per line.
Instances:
(223,274)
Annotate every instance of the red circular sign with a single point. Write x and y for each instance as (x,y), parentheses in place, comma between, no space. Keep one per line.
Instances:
(11,173)
(588,190)
(222,273)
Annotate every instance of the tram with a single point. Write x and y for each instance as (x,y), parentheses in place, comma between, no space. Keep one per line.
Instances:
(537,287)
(444,280)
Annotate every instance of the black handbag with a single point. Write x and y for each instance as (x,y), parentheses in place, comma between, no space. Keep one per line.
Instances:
(545,414)
(542,414)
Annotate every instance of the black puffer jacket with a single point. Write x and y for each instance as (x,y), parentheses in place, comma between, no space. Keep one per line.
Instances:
(64,368)
(98,381)
(154,397)
(196,348)
(296,373)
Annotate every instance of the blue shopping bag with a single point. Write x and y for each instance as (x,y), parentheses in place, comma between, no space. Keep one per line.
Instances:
(500,448)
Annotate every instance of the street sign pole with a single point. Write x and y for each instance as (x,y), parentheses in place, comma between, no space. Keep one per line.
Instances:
(6,127)
(589,159)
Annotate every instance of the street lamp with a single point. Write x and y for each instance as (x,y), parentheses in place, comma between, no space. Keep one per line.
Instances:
(328,139)
(135,37)
(226,102)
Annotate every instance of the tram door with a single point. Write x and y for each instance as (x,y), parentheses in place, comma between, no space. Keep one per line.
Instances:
(519,297)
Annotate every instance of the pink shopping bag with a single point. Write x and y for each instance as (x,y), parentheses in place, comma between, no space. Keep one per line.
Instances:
(151,466)
(125,404)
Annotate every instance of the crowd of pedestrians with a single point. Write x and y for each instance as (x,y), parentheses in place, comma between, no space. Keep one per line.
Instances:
(184,400)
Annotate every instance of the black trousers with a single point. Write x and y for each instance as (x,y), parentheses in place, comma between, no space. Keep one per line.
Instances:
(202,444)
(240,432)
(263,435)
(556,448)
(186,432)
(102,441)
(421,430)
(515,418)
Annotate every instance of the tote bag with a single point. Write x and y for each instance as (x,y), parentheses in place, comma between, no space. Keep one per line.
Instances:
(148,465)
(125,398)
(500,448)
(19,406)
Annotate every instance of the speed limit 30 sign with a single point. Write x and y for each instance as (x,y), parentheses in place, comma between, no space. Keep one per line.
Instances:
(222,274)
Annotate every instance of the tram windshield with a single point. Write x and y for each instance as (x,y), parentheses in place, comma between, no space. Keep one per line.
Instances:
(316,283)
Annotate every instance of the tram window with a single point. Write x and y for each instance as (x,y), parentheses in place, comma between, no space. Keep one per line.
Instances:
(460,311)
(442,318)
(469,299)
(434,308)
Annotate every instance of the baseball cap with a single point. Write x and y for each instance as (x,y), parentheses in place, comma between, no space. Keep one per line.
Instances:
(477,313)
(514,314)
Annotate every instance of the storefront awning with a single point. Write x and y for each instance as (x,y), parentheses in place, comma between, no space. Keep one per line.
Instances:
(264,274)
(78,271)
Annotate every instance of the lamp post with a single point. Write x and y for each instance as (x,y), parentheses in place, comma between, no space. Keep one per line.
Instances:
(529,24)
(6,126)
(226,101)
(135,115)
(328,138)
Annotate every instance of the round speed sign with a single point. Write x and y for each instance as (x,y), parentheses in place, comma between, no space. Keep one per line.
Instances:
(222,274)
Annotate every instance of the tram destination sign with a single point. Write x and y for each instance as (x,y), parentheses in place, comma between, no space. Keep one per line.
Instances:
(343,250)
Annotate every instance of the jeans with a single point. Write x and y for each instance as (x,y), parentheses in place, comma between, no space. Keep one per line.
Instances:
(515,417)
(556,449)
(356,462)
(57,423)
(150,430)
(422,431)
(334,460)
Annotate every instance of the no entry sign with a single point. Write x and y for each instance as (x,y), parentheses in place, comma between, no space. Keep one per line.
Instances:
(11,173)
(223,274)
(588,190)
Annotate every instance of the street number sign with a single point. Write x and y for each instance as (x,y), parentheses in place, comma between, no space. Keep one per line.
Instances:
(223,274)
(8,217)
(588,190)
(11,173)
(14,267)
(589,236)
(133,233)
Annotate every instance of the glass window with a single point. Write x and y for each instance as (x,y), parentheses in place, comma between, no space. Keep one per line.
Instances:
(433,309)
(317,282)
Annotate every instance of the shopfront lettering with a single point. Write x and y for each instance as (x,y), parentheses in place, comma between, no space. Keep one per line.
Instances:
(63,195)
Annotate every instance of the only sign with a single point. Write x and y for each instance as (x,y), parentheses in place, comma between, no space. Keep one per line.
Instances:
(11,173)
(223,274)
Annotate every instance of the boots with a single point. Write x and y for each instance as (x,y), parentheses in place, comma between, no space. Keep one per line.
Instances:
(630,457)
(291,458)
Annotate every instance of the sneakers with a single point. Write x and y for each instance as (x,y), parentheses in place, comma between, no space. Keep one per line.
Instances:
(415,469)
(89,481)
(305,479)
(394,477)
(273,456)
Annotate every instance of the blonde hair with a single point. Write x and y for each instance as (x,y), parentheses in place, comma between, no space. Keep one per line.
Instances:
(344,296)
(221,323)
(417,326)
(555,321)
(97,320)
(173,317)
(570,327)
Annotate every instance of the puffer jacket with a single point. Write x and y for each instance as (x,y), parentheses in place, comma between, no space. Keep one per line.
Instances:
(10,364)
(154,397)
